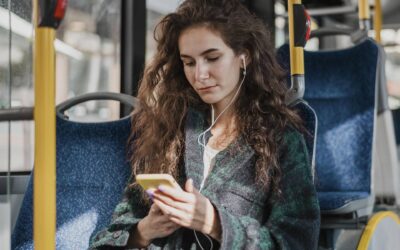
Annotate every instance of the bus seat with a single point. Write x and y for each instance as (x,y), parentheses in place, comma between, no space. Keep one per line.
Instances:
(341,89)
(311,124)
(386,165)
(294,99)
(92,171)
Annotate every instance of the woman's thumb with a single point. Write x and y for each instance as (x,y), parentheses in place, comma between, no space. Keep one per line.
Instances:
(189,186)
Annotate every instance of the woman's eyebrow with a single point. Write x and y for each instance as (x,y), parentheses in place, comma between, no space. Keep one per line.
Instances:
(202,53)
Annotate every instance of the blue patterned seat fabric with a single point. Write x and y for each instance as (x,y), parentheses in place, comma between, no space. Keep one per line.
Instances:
(340,87)
(92,171)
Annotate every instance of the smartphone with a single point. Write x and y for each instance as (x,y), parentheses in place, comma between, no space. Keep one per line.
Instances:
(149,181)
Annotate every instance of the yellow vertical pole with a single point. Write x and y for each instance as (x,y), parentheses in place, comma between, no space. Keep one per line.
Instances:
(363,9)
(297,86)
(296,53)
(378,20)
(44,208)
(364,14)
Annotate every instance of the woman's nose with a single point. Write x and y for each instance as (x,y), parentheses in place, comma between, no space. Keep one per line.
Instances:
(201,72)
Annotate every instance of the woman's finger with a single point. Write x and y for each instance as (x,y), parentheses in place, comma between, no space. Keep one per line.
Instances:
(181,223)
(189,186)
(170,211)
(170,224)
(155,209)
(165,219)
(173,203)
(150,192)
(176,194)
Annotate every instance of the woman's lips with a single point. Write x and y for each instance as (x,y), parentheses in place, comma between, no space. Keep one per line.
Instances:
(207,88)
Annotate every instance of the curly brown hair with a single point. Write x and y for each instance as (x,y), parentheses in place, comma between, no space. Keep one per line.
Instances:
(165,94)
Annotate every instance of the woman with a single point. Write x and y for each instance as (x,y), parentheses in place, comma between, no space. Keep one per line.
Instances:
(213,116)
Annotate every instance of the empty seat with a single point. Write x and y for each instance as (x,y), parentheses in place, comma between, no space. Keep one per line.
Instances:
(92,171)
(340,87)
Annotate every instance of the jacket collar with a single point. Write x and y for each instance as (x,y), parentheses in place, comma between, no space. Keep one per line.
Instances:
(227,162)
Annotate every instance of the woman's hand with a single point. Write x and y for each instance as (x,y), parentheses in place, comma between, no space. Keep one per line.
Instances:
(154,225)
(188,208)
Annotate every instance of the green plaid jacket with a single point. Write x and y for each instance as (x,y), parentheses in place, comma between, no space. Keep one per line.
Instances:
(250,218)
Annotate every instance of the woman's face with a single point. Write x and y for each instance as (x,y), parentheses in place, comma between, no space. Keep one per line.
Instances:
(210,66)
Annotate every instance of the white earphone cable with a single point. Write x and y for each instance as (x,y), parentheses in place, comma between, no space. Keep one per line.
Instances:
(201,140)
(198,241)
(201,137)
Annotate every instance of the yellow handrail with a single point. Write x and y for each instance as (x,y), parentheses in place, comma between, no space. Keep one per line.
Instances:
(378,20)
(363,9)
(296,53)
(45,137)
(364,15)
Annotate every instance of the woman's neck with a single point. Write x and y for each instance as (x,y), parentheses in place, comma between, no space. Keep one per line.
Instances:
(224,130)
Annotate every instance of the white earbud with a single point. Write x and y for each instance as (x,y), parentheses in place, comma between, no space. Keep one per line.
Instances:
(244,64)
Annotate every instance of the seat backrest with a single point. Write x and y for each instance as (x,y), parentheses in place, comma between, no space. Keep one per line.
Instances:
(294,99)
(341,90)
(310,120)
(92,171)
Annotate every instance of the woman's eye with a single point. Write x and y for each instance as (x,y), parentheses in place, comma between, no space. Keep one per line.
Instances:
(189,64)
(212,59)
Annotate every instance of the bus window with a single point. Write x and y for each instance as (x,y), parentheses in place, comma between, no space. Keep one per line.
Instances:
(89,61)
(16,83)
(15,90)
(156,9)
(87,58)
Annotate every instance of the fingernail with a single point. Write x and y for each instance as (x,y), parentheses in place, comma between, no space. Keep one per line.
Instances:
(150,193)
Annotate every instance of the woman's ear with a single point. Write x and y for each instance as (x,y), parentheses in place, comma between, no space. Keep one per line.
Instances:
(245,58)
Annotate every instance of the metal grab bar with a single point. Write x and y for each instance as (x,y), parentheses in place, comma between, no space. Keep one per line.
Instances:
(16,114)
(26,113)
(123,98)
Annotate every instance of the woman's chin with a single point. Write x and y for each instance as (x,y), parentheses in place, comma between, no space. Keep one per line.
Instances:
(209,99)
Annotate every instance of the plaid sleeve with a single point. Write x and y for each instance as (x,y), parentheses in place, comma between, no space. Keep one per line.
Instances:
(293,220)
(126,215)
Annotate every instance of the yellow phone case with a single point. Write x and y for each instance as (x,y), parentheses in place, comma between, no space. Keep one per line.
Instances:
(148,181)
